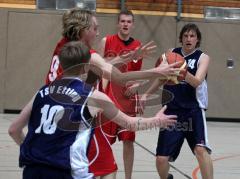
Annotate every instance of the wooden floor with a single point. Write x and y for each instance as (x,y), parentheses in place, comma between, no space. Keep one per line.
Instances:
(223,137)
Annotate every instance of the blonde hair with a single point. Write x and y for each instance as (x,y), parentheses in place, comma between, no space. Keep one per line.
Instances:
(74,22)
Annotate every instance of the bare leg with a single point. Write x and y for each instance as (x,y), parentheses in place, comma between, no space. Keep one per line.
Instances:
(162,166)
(128,157)
(108,176)
(204,161)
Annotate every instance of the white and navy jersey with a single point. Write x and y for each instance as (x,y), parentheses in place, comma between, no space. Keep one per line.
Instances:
(59,128)
(184,95)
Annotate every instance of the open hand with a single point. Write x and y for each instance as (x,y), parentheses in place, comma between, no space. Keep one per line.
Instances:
(166,120)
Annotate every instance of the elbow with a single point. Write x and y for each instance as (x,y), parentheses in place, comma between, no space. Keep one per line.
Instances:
(196,84)
(192,80)
(12,131)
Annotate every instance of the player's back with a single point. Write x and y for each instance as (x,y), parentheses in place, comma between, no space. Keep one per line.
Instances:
(59,130)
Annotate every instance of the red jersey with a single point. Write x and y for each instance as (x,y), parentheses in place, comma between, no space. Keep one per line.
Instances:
(114,46)
(100,154)
(56,68)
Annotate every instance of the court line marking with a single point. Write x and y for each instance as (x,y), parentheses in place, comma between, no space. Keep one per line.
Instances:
(197,169)
(172,166)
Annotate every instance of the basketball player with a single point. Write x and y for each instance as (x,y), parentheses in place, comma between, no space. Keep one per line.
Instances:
(59,117)
(189,104)
(113,46)
(82,25)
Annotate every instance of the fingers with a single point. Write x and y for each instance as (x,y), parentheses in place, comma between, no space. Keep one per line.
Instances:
(175,64)
(168,120)
(148,48)
(151,47)
(172,117)
(163,109)
(128,93)
(149,44)
(127,55)
(140,109)
(149,51)
(174,72)
(168,123)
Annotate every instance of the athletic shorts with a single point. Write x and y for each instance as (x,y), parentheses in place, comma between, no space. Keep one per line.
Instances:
(100,155)
(113,131)
(43,172)
(191,125)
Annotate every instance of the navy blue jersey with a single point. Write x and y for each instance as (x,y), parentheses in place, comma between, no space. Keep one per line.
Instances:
(184,95)
(59,127)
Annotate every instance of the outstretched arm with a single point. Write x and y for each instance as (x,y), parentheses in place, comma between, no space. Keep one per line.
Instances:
(113,74)
(16,128)
(105,105)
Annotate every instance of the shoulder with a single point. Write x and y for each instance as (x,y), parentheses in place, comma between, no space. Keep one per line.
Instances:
(204,56)
(110,37)
(204,60)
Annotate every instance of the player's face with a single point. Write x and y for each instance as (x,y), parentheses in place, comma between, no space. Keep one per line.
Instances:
(125,25)
(91,33)
(189,41)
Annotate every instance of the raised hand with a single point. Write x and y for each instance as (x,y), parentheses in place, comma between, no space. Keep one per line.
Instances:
(144,51)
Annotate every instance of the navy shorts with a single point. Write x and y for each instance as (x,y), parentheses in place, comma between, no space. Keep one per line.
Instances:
(45,172)
(191,125)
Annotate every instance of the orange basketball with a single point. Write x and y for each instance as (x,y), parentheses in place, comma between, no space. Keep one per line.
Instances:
(171,57)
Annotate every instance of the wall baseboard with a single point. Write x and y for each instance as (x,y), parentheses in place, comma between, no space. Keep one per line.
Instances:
(215,119)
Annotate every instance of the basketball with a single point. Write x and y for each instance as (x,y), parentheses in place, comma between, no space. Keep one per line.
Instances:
(170,58)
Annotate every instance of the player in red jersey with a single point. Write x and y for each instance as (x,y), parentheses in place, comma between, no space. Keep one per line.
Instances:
(82,25)
(113,46)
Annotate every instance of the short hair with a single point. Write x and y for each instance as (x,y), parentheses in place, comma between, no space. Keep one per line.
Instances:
(125,12)
(75,21)
(193,27)
(74,53)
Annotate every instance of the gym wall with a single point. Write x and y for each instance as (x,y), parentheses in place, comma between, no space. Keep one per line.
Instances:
(28,38)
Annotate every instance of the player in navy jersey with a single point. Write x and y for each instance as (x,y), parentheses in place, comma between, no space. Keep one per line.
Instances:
(189,102)
(60,118)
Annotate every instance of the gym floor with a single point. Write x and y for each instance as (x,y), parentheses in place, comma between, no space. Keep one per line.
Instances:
(223,138)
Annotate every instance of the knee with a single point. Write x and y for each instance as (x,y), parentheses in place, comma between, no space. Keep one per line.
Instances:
(161,160)
(200,151)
